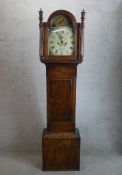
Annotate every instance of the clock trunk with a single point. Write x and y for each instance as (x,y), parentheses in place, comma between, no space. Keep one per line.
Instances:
(61,94)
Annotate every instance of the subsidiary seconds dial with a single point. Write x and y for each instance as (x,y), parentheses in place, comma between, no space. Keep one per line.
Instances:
(61,41)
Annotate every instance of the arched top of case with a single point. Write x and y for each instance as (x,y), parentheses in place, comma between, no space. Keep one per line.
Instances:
(61,18)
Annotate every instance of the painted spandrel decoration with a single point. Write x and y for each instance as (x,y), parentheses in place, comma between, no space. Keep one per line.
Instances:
(61,50)
(61,36)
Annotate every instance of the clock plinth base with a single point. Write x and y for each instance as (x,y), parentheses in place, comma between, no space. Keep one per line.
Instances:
(61,150)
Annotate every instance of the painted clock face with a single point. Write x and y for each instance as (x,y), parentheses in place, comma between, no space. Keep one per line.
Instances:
(61,37)
(61,41)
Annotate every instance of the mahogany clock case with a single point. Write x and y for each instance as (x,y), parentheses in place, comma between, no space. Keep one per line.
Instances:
(61,139)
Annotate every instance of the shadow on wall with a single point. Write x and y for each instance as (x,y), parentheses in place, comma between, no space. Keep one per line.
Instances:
(115,87)
(118,118)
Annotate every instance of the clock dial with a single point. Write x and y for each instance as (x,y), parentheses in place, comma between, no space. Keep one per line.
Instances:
(61,41)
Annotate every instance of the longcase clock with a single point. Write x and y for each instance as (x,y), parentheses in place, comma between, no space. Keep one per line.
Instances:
(61,50)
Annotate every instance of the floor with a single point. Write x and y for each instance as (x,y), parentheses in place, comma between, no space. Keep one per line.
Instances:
(30,164)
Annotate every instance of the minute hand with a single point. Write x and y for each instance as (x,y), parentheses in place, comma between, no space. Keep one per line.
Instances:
(61,40)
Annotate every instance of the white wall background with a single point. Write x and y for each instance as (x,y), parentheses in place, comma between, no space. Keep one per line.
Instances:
(23,80)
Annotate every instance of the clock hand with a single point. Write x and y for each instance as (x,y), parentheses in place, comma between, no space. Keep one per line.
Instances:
(61,40)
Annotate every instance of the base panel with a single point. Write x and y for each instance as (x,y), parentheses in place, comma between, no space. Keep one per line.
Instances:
(61,150)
